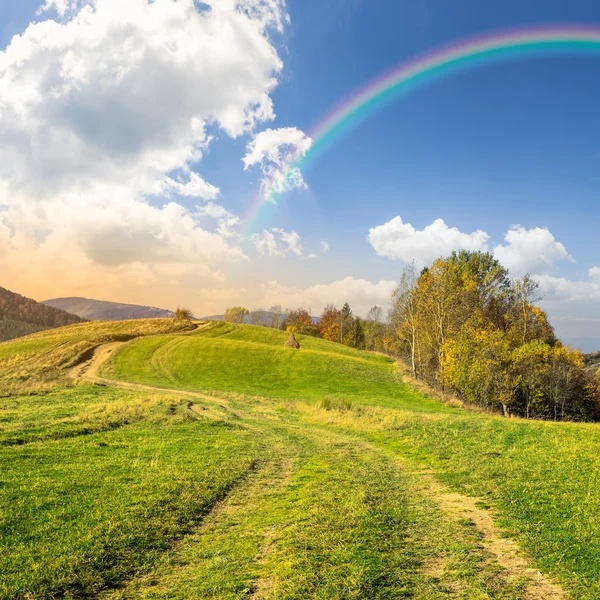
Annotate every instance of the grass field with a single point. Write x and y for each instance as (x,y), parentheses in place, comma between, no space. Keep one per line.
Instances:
(241,469)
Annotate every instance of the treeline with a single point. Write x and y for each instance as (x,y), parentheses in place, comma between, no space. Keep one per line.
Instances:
(9,330)
(463,325)
(335,325)
(34,316)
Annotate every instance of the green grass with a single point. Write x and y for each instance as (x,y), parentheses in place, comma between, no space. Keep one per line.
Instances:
(84,512)
(299,476)
(39,361)
(251,360)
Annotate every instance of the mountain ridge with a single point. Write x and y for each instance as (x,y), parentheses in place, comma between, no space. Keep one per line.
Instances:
(20,316)
(105,310)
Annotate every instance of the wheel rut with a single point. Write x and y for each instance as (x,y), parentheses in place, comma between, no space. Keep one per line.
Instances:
(456,506)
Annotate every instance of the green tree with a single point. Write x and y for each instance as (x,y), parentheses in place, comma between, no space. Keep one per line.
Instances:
(358,334)
(346,324)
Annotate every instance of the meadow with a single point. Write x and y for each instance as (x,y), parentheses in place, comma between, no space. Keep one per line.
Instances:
(231,467)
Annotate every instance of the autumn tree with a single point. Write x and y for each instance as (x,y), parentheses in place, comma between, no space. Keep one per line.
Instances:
(477,364)
(525,293)
(299,321)
(404,313)
(464,324)
(329,323)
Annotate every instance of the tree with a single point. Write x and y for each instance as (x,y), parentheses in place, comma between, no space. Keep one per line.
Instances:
(375,329)
(404,314)
(525,294)
(358,334)
(183,314)
(565,379)
(329,324)
(346,324)
(257,317)
(375,314)
(299,321)
(477,364)
(276,320)
(236,314)
(531,365)
(463,323)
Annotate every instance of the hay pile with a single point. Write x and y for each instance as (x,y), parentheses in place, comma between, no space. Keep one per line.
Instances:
(292,342)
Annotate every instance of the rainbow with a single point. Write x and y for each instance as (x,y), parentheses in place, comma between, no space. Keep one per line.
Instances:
(407,76)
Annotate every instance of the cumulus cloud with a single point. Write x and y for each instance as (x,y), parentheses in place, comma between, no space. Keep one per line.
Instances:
(324,247)
(398,240)
(109,104)
(533,250)
(594,273)
(277,152)
(226,220)
(277,242)
(566,290)
(195,187)
(360,293)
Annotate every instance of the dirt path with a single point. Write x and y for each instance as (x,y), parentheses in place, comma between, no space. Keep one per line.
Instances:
(89,371)
(453,505)
(504,550)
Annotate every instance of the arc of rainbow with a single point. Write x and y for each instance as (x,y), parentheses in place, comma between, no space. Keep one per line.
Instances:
(409,75)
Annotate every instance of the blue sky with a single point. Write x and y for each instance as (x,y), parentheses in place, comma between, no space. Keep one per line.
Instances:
(514,143)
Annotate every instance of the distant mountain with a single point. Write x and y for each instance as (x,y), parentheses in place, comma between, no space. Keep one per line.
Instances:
(101,310)
(21,316)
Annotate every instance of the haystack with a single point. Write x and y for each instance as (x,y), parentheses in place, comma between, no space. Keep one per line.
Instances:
(292,342)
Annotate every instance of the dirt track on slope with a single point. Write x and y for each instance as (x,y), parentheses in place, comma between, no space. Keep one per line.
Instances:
(456,506)
(504,550)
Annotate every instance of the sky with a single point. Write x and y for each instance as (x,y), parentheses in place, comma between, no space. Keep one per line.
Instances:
(136,138)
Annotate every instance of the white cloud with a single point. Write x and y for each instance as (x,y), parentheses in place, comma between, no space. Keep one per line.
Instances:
(101,107)
(324,247)
(227,221)
(594,273)
(530,251)
(60,6)
(398,240)
(277,151)
(277,242)
(559,289)
(195,187)
(533,250)
(359,293)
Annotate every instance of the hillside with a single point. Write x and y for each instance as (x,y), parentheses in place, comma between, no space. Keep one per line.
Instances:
(21,316)
(592,361)
(205,460)
(102,310)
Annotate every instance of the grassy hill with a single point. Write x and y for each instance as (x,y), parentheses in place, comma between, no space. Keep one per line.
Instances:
(102,310)
(21,316)
(212,462)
